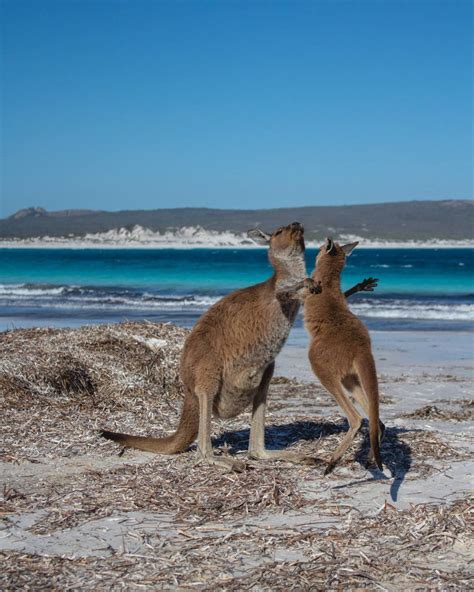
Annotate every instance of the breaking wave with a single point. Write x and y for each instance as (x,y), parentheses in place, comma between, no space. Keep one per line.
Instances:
(110,299)
(409,309)
(90,297)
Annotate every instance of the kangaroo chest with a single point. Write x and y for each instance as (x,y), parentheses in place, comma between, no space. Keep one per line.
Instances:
(264,348)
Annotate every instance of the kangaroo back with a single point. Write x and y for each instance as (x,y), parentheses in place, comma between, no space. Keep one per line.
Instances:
(178,442)
(365,368)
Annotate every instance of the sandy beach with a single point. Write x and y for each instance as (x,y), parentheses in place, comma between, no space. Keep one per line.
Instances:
(80,513)
(189,168)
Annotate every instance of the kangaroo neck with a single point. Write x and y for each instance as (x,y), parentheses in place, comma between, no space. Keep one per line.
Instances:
(288,271)
(330,281)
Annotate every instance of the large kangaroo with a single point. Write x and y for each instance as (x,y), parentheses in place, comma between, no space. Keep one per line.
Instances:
(228,358)
(340,351)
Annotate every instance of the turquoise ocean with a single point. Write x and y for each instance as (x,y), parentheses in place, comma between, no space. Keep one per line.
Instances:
(428,289)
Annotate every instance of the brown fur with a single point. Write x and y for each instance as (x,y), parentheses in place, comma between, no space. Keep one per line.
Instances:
(340,349)
(228,358)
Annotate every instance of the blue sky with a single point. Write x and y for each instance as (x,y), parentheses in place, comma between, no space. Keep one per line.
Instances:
(146,104)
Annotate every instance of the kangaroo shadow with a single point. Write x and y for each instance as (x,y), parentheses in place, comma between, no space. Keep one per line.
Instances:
(396,457)
(278,437)
(396,454)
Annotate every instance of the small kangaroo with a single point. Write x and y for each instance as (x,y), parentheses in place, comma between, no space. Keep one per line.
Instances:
(340,350)
(228,358)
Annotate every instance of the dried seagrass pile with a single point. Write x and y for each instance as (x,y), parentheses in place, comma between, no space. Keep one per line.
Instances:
(78,515)
(66,383)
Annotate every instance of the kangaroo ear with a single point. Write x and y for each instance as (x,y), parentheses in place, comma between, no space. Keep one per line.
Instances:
(258,236)
(349,248)
(330,246)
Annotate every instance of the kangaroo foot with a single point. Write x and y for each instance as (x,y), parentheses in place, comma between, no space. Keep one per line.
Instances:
(370,463)
(230,464)
(284,455)
(330,467)
(381,431)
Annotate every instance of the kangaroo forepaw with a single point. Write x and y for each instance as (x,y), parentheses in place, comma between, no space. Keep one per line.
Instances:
(312,286)
(368,284)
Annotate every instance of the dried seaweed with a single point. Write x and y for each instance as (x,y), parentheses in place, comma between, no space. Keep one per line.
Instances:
(423,548)
(258,530)
(72,382)
(466,413)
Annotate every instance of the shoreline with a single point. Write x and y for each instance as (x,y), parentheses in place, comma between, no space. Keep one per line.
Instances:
(187,319)
(181,245)
(411,352)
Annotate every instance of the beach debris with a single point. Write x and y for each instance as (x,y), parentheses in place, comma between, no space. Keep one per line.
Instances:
(161,522)
(466,413)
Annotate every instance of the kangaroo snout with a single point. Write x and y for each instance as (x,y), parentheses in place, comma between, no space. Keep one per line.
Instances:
(297,226)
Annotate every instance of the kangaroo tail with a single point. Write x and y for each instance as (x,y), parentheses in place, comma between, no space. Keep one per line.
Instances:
(368,379)
(184,436)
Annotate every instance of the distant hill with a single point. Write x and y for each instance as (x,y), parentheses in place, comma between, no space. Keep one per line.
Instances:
(420,220)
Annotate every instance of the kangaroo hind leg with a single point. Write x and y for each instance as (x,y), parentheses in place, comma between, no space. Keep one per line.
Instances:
(352,384)
(257,448)
(364,367)
(206,397)
(336,389)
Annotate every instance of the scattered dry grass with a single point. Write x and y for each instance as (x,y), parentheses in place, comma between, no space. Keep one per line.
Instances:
(464,411)
(175,486)
(72,382)
(405,549)
(59,387)
(416,549)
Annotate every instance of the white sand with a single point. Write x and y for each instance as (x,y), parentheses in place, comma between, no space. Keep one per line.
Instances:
(415,369)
